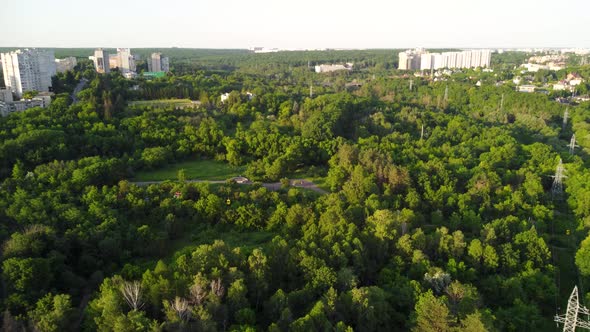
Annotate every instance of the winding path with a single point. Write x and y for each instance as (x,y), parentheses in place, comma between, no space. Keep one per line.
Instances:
(300,183)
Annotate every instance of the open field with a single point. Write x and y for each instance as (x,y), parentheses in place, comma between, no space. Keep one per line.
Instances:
(193,169)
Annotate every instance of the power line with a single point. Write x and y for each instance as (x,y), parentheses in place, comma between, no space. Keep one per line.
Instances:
(557,187)
(573,144)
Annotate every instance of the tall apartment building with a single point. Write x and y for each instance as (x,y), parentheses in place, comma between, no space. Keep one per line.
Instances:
(125,61)
(28,70)
(157,63)
(101,61)
(63,65)
(418,59)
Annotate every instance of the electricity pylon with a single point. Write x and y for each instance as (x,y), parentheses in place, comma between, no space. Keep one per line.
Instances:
(571,320)
(557,187)
(573,144)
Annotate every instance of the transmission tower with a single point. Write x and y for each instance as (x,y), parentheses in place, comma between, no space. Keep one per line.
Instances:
(565,115)
(557,187)
(311,90)
(447,93)
(573,144)
(570,320)
(411,84)
(502,103)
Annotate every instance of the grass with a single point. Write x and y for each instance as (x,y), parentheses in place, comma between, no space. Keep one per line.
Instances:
(204,233)
(193,170)
(315,175)
(162,102)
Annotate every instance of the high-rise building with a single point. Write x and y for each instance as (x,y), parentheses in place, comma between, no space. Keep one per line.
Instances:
(125,61)
(158,63)
(101,61)
(63,65)
(28,70)
(427,61)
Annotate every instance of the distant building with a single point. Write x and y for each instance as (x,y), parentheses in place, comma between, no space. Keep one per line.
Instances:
(28,70)
(419,59)
(527,88)
(41,100)
(158,63)
(63,65)
(101,61)
(125,61)
(224,97)
(330,68)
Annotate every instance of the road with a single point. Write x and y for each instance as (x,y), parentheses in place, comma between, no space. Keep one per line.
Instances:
(300,183)
(78,88)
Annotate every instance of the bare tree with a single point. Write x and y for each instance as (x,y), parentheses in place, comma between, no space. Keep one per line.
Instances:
(131,291)
(182,308)
(217,288)
(198,293)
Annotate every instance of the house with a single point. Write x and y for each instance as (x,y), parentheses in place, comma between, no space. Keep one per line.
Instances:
(526,88)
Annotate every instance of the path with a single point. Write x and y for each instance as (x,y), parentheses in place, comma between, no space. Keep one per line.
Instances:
(300,183)
(78,88)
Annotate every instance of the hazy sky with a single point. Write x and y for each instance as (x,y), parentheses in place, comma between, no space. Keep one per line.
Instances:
(295,23)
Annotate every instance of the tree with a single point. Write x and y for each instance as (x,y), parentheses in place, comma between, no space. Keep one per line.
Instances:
(431,314)
(52,313)
(132,292)
(583,257)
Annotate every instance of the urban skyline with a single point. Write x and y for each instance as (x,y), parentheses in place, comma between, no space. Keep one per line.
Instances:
(285,25)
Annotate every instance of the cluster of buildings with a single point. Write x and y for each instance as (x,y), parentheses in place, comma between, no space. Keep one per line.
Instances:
(419,59)
(331,68)
(29,70)
(125,61)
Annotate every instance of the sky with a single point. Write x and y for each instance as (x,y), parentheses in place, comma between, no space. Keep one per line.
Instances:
(305,24)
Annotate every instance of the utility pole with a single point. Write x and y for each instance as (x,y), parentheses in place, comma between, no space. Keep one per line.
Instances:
(570,320)
(565,115)
(422,133)
(311,90)
(411,84)
(447,93)
(573,144)
(502,103)
(557,187)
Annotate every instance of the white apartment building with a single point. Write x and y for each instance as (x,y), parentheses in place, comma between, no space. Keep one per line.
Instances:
(28,70)
(157,63)
(420,59)
(101,61)
(63,65)
(331,68)
(125,61)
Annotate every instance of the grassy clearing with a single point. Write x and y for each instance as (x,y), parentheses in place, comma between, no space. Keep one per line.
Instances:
(314,174)
(193,170)
(207,234)
(162,102)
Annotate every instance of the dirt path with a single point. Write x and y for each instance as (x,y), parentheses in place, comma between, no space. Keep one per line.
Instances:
(300,183)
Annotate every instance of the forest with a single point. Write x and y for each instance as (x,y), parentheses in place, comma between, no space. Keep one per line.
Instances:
(441,211)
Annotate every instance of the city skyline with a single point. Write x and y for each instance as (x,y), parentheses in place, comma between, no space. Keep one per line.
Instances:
(303,24)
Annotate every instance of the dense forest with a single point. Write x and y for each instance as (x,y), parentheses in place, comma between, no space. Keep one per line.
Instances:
(439,213)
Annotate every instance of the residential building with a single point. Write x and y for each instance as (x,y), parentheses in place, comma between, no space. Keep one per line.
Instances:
(28,70)
(101,61)
(125,61)
(5,95)
(423,60)
(63,65)
(527,88)
(41,100)
(158,63)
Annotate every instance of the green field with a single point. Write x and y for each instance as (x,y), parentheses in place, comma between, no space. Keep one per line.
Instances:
(163,103)
(193,170)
